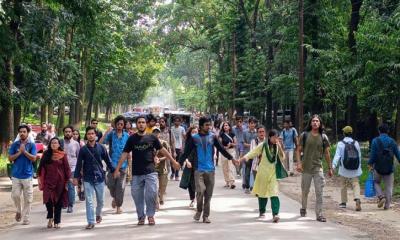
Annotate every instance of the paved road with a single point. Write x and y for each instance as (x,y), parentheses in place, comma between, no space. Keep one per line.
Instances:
(233,217)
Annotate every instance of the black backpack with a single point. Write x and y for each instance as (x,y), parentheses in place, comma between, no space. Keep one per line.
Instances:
(384,162)
(351,159)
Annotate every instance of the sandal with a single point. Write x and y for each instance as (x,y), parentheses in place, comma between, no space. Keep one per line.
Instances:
(276,219)
(57,226)
(321,219)
(141,221)
(50,223)
(151,221)
(98,219)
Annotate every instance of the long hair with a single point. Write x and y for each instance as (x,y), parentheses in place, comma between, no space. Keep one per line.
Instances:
(272,133)
(79,135)
(321,125)
(222,127)
(49,152)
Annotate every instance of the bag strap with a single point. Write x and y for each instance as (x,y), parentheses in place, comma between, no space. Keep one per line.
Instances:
(93,157)
(229,137)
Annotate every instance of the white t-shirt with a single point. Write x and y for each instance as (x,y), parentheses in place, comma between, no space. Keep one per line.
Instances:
(178,133)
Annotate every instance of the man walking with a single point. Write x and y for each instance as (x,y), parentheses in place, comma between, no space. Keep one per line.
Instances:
(71,148)
(383,150)
(289,138)
(348,158)
(179,134)
(144,186)
(94,124)
(203,143)
(90,161)
(239,133)
(116,140)
(315,145)
(22,154)
(43,137)
(249,135)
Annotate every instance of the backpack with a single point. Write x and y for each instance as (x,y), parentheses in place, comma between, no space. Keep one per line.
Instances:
(351,159)
(293,135)
(384,162)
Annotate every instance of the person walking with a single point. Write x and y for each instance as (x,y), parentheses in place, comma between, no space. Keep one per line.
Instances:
(249,135)
(238,130)
(269,171)
(116,140)
(179,134)
(348,158)
(187,180)
(256,161)
(54,174)
(161,168)
(90,160)
(22,155)
(77,137)
(228,140)
(44,136)
(71,149)
(383,150)
(151,123)
(144,185)
(94,124)
(289,138)
(203,143)
(314,146)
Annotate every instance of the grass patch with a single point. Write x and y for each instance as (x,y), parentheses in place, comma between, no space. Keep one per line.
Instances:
(3,165)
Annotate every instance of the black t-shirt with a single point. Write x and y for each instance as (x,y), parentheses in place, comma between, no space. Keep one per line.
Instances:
(143,150)
(225,139)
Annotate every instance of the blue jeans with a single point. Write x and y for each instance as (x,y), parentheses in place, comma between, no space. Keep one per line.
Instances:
(90,190)
(71,194)
(144,190)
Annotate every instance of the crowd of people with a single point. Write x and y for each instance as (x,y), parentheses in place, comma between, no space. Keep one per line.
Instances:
(144,153)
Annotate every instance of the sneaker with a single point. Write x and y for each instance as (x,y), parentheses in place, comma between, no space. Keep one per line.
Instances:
(197,216)
(26,222)
(381,202)
(342,205)
(206,220)
(358,205)
(69,209)
(89,226)
(247,191)
(18,217)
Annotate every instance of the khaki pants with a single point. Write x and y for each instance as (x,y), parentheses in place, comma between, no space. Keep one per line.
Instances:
(289,160)
(319,183)
(228,168)
(344,182)
(162,182)
(24,186)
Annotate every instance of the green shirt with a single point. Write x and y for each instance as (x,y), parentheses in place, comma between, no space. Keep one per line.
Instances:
(313,152)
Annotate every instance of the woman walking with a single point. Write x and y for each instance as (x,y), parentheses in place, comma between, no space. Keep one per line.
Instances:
(269,171)
(187,180)
(54,173)
(228,140)
(77,137)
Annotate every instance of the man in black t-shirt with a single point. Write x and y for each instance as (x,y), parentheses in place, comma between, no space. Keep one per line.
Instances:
(144,186)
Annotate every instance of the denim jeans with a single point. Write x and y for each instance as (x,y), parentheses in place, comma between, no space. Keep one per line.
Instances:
(71,194)
(90,190)
(144,190)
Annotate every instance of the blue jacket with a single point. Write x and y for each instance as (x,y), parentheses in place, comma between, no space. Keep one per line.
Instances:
(204,145)
(90,162)
(386,141)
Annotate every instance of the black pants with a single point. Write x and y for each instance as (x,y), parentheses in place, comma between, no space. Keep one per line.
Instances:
(54,211)
(178,156)
(192,187)
(247,173)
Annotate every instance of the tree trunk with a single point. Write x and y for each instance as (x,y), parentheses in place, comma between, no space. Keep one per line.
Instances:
(234,70)
(275,109)
(90,100)
(300,110)
(17,117)
(60,119)
(352,107)
(6,109)
(43,113)
(49,113)
(372,126)
(108,112)
(72,113)
(397,134)
(96,110)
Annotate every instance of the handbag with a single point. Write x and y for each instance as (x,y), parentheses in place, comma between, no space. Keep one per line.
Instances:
(185,179)
(369,186)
